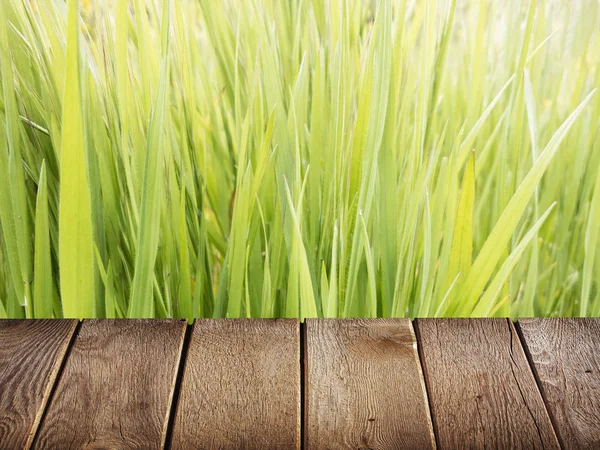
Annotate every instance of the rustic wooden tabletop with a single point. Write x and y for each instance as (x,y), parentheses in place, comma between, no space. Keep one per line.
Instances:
(280,384)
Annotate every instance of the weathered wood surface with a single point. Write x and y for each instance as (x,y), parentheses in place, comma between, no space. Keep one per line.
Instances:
(481,389)
(566,359)
(31,353)
(116,388)
(363,386)
(251,384)
(241,386)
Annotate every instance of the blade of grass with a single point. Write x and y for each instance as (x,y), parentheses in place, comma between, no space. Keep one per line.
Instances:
(461,252)
(43,281)
(75,215)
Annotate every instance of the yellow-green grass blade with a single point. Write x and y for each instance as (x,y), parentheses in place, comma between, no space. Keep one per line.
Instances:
(75,215)
(461,253)
(43,277)
(371,301)
(426,286)
(110,303)
(330,309)
(185,290)
(7,222)
(3,313)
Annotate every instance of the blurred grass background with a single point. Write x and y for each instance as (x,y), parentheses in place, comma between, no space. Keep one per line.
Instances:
(327,158)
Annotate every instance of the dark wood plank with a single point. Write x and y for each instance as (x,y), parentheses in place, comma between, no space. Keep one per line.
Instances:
(31,353)
(241,386)
(117,386)
(363,386)
(566,358)
(482,391)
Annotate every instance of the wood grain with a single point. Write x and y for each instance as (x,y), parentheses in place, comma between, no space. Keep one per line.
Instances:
(241,386)
(566,358)
(363,386)
(116,388)
(482,392)
(31,353)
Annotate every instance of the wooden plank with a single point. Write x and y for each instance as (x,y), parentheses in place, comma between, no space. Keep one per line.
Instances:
(241,386)
(566,358)
(117,386)
(31,353)
(481,389)
(363,386)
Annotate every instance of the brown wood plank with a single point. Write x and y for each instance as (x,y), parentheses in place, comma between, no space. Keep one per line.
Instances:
(482,391)
(241,386)
(566,358)
(31,353)
(117,386)
(363,386)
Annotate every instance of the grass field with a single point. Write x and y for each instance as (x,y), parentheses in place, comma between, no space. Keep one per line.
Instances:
(304,158)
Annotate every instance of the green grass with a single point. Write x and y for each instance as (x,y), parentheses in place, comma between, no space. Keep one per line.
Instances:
(301,158)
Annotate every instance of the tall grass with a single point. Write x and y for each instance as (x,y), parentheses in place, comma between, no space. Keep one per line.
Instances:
(300,158)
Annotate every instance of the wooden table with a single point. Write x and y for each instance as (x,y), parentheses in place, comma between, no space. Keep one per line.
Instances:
(279,384)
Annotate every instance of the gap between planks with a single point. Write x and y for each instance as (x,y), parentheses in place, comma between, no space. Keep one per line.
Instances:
(177,388)
(61,369)
(426,388)
(538,381)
